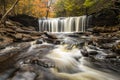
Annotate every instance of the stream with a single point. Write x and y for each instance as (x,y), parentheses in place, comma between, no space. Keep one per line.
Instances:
(73,57)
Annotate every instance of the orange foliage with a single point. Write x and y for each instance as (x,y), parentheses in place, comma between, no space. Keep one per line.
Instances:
(37,8)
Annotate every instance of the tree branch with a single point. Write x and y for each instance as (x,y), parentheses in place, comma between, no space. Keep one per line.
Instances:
(5,15)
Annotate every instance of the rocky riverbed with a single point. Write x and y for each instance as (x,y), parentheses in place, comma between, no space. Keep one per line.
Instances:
(29,55)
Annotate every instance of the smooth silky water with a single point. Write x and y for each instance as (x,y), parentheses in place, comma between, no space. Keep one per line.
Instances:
(67,66)
(65,24)
(69,63)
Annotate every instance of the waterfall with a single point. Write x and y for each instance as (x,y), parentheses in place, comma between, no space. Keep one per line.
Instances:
(65,24)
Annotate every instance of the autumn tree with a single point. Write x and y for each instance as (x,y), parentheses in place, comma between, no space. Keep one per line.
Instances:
(37,8)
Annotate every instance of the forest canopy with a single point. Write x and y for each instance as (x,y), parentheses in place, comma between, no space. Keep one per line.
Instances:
(35,8)
(58,8)
(79,7)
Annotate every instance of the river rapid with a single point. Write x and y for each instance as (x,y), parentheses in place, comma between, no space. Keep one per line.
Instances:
(72,56)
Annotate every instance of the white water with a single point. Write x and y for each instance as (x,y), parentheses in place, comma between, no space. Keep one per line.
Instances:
(67,24)
(68,67)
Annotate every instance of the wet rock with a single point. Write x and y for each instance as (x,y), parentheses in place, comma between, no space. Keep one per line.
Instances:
(39,41)
(45,62)
(25,67)
(48,40)
(52,41)
(73,35)
(24,76)
(6,54)
(111,56)
(84,53)
(51,36)
(5,75)
(57,42)
(9,55)
(106,46)
(92,52)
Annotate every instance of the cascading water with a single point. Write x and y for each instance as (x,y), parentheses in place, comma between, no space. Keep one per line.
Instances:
(68,24)
(47,61)
(74,70)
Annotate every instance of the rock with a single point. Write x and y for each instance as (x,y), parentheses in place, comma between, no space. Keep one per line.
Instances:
(92,53)
(51,36)
(105,29)
(5,41)
(12,51)
(18,36)
(27,37)
(111,56)
(84,53)
(48,40)
(116,48)
(25,20)
(57,42)
(102,40)
(10,30)
(39,41)
(5,75)
(45,62)
(24,76)
(106,46)
(73,35)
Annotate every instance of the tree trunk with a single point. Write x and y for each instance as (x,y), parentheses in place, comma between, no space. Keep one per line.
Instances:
(47,13)
(5,15)
(48,8)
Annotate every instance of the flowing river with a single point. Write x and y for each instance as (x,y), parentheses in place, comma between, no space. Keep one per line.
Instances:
(42,60)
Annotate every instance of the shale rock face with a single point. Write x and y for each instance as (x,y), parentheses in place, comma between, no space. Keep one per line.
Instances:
(16,32)
(26,20)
